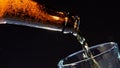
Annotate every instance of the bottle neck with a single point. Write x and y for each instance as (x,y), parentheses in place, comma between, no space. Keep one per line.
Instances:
(69,25)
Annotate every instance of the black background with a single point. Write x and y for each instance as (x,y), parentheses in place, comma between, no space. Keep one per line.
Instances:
(25,47)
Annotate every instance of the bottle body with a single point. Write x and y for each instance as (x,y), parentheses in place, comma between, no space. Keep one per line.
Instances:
(29,13)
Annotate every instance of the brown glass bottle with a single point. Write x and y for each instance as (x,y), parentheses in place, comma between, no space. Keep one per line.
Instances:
(32,14)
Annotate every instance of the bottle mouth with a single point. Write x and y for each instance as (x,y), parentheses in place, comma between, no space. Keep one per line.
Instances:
(71,25)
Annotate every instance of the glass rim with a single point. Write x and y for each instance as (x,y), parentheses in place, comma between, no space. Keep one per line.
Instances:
(74,63)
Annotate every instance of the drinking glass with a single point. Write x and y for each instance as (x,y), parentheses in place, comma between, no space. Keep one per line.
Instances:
(105,54)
